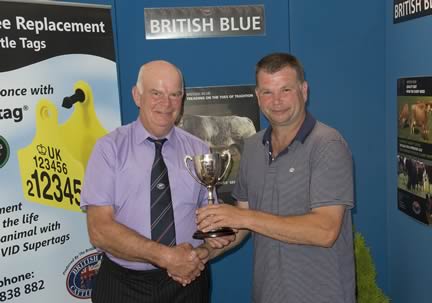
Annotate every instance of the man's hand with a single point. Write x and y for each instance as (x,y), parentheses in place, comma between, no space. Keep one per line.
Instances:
(184,263)
(220,242)
(220,215)
(202,253)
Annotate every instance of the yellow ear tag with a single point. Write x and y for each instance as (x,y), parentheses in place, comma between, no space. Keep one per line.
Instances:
(83,128)
(49,174)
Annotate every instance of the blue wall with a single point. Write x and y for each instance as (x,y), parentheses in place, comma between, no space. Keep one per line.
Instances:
(342,47)
(408,54)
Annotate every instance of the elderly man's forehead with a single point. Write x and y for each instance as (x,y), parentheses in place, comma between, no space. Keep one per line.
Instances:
(159,70)
(160,66)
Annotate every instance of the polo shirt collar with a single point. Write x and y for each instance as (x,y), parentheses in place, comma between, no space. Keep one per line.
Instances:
(305,129)
(141,134)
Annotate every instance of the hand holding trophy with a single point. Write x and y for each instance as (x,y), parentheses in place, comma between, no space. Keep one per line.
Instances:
(209,170)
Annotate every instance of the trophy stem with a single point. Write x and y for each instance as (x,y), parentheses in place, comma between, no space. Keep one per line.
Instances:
(210,196)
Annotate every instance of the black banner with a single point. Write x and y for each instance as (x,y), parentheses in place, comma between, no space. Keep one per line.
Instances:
(26,39)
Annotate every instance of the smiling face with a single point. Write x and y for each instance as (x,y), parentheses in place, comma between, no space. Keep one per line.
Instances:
(282,97)
(159,95)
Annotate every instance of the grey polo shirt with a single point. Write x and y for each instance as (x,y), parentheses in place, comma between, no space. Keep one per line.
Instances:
(314,171)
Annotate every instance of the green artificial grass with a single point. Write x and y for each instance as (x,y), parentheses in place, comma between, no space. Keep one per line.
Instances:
(367,288)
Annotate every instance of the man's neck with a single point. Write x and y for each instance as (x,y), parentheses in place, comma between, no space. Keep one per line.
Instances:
(282,136)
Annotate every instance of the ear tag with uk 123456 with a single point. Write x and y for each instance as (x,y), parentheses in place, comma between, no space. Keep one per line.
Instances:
(52,166)
(50,175)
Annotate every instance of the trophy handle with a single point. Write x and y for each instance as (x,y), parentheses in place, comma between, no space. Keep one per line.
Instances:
(189,158)
(225,154)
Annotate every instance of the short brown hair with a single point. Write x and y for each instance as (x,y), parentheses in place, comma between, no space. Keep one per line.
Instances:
(273,63)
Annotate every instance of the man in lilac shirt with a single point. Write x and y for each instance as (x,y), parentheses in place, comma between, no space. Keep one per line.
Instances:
(116,197)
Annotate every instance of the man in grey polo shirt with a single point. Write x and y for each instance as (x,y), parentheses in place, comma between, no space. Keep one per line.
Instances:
(294,193)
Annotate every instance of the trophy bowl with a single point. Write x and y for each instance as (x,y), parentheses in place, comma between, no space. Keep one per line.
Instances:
(210,169)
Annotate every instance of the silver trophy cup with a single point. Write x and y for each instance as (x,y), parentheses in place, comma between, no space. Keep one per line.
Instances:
(210,169)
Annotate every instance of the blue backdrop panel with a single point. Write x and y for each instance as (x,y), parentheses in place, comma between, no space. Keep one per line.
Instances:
(342,47)
(204,62)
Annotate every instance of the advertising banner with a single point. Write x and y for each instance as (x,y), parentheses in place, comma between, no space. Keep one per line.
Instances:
(415,148)
(223,116)
(58,95)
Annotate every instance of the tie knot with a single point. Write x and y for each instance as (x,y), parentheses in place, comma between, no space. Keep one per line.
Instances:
(158,143)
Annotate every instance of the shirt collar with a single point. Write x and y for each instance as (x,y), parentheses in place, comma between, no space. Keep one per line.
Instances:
(305,129)
(141,134)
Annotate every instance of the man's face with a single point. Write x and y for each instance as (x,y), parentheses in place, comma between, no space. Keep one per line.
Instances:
(160,101)
(281,97)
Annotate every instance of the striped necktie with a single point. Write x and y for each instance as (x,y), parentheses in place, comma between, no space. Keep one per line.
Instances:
(162,214)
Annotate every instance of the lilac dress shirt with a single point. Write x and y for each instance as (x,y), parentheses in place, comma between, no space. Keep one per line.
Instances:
(118,174)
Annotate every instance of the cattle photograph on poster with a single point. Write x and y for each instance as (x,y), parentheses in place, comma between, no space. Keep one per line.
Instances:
(223,117)
(415,148)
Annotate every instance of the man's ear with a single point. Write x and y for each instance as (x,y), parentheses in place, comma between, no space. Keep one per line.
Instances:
(304,90)
(257,95)
(136,95)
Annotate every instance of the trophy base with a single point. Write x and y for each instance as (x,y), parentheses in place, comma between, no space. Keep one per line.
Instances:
(220,232)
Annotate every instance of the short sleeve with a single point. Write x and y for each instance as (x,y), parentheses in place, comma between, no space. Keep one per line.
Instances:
(332,175)
(99,185)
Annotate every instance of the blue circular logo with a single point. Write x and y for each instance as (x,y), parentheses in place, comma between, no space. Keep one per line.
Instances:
(82,274)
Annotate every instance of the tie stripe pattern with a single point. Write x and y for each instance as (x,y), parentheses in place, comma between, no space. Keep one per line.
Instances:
(162,214)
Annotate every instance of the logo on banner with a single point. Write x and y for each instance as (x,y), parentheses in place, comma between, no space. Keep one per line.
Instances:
(4,151)
(82,274)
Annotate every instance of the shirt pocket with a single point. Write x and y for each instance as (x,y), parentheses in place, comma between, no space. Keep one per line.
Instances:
(184,189)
